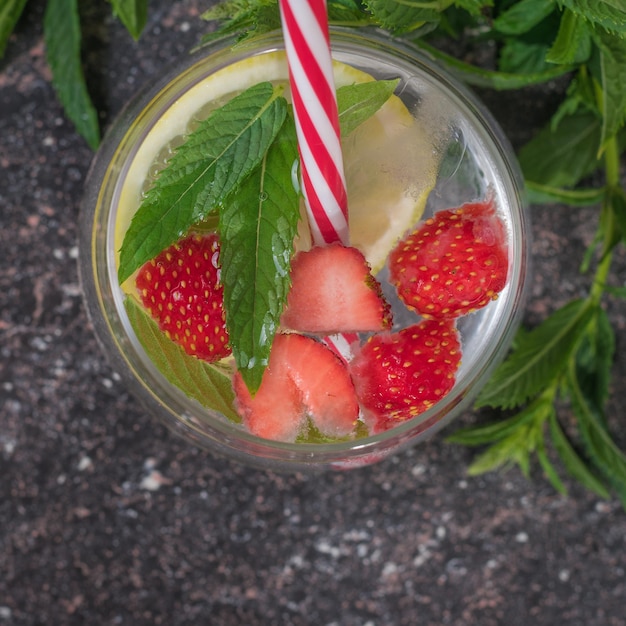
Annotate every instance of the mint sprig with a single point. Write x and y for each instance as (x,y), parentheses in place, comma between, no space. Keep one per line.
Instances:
(224,149)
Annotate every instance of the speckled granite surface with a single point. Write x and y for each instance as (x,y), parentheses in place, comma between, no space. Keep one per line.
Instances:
(106,518)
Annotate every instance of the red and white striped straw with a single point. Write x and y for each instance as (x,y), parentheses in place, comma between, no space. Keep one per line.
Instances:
(307,44)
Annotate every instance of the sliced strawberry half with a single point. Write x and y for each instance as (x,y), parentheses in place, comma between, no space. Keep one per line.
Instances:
(400,375)
(333,291)
(456,262)
(182,291)
(303,379)
(275,412)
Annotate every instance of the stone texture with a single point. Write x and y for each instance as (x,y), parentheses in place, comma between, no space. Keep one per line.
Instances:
(106,518)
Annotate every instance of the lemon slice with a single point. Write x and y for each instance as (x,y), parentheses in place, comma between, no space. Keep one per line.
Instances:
(390,168)
(389,162)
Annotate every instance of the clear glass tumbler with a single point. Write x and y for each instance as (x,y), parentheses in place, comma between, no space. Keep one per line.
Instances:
(471,159)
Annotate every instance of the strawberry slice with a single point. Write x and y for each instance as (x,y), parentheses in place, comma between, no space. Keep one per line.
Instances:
(333,291)
(303,379)
(181,289)
(456,262)
(400,375)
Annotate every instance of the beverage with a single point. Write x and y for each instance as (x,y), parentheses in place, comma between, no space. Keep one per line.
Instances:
(428,148)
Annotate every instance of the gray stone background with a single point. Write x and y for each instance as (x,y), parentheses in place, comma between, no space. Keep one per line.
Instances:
(106,518)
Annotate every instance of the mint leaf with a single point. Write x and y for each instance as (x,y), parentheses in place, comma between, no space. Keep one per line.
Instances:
(561,156)
(133,14)
(9,14)
(523,16)
(613,78)
(602,450)
(241,16)
(402,17)
(522,57)
(513,440)
(347,13)
(488,433)
(538,358)
(473,7)
(208,384)
(573,41)
(548,468)
(580,98)
(356,103)
(611,14)
(257,227)
(209,166)
(511,450)
(594,360)
(572,462)
(62,38)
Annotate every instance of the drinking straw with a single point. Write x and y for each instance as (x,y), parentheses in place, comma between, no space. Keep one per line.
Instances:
(307,44)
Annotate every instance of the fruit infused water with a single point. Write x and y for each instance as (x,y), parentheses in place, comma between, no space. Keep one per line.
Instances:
(230,309)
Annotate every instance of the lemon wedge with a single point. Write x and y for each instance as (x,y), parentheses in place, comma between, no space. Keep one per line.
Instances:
(389,162)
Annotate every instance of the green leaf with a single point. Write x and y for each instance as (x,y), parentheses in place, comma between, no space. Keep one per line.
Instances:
(523,16)
(580,99)
(356,103)
(613,77)
(210,165)
(602,450)
(488,433)
(594,361)
(242,17)
(258,225)
(133,14)
(62,38)
(9,14)
(503,454)
(347,13)
(549,469)
(473,7)
(572,462)
(544,194)
(402,17)
(522,57)
(208,384)
(538,359)
(562,156)
(611,14)
(573,41)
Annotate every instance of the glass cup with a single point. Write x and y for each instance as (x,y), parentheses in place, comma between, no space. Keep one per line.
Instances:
(472,159)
